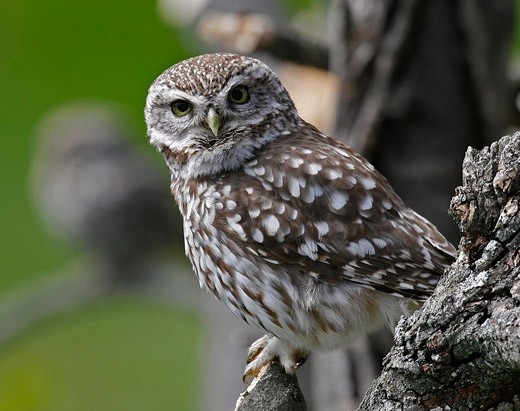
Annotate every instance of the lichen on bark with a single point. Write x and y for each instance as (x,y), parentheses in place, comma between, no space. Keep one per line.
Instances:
(462,349)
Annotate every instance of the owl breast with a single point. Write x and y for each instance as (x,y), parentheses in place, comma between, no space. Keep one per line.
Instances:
(226,267)
(282,299)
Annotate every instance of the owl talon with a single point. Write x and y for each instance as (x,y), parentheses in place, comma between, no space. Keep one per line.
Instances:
(264,350)
(246,378)
(256,348)
(251,373)
(258,357)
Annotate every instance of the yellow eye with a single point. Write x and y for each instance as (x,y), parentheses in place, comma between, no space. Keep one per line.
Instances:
(180,107)
(239,95)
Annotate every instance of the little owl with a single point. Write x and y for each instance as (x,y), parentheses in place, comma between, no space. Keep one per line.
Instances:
(289,228)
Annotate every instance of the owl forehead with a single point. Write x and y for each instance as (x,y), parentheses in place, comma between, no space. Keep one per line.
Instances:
(205,75)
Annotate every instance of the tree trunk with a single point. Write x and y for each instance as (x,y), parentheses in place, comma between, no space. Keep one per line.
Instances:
(462,349)
(420,82)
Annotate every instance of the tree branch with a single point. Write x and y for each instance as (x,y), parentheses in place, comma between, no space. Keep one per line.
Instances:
(365,56)
(252,32)
(272,390)
(463,348)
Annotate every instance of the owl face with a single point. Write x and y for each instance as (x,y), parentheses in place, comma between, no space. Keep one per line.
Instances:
(210,113)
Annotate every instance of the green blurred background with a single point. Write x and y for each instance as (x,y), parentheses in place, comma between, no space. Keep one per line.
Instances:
(121,353)
(53,52)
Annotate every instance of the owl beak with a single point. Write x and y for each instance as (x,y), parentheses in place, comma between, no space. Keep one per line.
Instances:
(213,121)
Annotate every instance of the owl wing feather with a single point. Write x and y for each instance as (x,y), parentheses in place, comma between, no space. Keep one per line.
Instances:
(311,204)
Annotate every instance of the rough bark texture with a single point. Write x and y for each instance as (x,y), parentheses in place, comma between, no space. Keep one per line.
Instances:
(272,390)
(462,350)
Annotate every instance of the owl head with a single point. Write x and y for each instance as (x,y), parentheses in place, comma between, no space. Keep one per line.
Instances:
(209,114)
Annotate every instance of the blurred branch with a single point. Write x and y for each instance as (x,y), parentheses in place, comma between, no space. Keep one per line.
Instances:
(488,29)
(367,51)
(63,292)
(42,301)
(252,32)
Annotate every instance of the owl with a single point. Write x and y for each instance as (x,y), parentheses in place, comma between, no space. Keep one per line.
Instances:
(292,230)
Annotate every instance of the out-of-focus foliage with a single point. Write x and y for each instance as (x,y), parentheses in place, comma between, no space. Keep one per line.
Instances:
(52,52)
(115,355)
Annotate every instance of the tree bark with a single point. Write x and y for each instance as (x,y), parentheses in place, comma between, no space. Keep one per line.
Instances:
(272,390)
(462,349)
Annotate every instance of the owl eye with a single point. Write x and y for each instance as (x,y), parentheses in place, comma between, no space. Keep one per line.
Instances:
(180,107)
(239,95)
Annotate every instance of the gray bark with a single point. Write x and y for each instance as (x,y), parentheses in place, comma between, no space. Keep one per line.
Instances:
(462,349)
(273,390)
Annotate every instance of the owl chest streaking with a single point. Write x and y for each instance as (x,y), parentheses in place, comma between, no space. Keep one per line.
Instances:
(291,229)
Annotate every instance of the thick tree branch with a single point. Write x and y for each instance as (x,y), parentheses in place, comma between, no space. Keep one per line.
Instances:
(462,349)
(253,32)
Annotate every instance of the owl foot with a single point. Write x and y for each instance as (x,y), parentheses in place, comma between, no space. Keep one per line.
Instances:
(264,350)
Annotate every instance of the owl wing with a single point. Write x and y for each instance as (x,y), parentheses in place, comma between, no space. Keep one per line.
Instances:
(310,203)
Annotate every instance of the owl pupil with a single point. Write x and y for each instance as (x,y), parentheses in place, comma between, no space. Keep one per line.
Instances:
(239,95)
(182,105)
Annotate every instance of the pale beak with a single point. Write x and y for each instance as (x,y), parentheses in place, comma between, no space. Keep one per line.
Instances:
(213,121)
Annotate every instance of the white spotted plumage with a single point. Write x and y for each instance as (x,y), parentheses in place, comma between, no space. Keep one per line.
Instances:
(291,229)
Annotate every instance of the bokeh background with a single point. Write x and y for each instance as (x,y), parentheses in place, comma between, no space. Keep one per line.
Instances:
(119,352)
(125,350)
